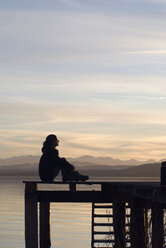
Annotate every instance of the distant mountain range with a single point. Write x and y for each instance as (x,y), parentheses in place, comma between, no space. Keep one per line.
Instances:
(79,160)
(19,160)
(94,167)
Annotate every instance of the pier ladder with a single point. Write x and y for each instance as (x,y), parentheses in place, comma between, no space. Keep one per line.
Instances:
(105,219)
(102,225)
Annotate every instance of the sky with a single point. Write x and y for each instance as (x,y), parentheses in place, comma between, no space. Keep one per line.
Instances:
(93,72)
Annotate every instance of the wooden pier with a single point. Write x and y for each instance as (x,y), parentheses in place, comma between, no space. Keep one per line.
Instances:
(136,216)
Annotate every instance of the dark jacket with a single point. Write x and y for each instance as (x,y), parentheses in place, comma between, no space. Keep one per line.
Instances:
(49,165)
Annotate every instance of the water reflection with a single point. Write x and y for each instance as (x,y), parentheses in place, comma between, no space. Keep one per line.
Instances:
(70,222)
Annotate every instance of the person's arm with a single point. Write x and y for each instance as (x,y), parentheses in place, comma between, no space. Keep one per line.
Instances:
(55,156)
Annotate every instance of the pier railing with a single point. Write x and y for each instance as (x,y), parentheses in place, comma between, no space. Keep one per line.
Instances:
(136,217)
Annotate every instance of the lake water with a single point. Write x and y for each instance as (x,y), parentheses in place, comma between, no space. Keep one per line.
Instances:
(70,222)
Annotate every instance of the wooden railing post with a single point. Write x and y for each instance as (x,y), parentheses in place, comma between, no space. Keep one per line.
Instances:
(119,215)
(31,216)
(157,226)
(45,225)
(137,225)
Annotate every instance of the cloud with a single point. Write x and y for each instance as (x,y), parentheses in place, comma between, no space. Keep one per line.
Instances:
(69,37)
(150,52)
(95,76)
(112,145)
(82,122)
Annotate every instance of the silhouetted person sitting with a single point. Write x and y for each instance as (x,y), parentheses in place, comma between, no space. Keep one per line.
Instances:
(51,164)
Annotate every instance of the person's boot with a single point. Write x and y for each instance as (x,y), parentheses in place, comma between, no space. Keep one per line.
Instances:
(79,177)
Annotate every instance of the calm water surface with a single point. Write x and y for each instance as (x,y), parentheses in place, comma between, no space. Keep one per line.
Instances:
(70,222)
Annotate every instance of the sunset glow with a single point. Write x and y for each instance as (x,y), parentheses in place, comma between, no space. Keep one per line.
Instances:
(92,72)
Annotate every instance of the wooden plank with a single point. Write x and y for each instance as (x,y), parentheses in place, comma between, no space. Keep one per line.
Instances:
(103,224)
(157,226)
(103,215)
(119,214)
(103,206)
(77,182)
(78,196)
(106,241)
(100,246)
(103,233)
(117,183)
(45,225)
(31,216)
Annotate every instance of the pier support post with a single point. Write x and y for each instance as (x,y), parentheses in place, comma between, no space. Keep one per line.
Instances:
(157,225)
(137,227)
(45,225)
(31,216)
(119,215)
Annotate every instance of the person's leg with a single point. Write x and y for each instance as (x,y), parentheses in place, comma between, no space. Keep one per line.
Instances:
(49,173)
(69,173)
(67,170)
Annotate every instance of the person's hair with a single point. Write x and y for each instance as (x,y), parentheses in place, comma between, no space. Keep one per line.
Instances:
(49,140)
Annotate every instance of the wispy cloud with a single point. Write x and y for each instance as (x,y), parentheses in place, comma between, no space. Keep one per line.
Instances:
(92,72)
(150,52)
(39,37)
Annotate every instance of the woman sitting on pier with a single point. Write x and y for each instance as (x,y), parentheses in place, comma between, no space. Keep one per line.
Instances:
(51,164)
